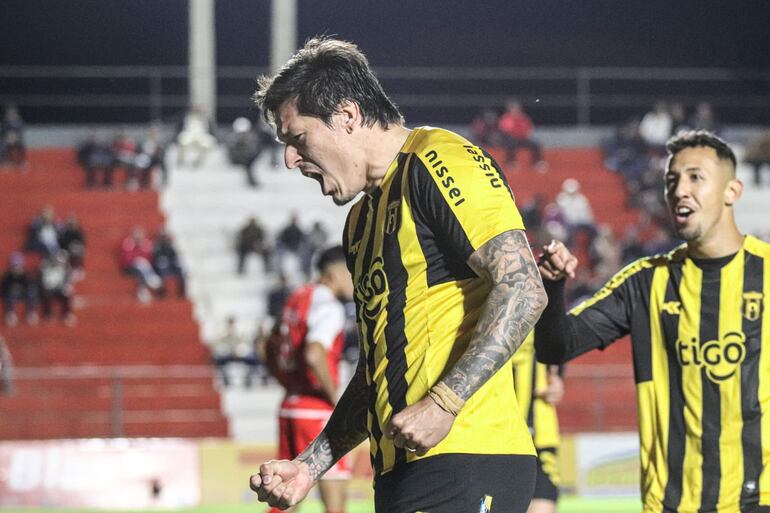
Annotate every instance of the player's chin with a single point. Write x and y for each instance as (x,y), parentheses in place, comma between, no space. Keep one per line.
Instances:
(340,199)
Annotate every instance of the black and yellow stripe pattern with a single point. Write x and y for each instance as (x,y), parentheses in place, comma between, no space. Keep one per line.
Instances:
(701,345)
(529,376)
(407,244)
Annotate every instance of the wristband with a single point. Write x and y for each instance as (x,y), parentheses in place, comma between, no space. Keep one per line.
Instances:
(446,399)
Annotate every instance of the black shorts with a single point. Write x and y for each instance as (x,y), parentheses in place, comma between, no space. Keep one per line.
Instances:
(458,483)
(547,475)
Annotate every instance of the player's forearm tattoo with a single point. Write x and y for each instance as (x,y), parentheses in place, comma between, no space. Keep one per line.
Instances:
(512,308)
(344,431)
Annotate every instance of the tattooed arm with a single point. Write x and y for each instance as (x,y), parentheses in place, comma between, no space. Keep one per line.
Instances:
(285,483)
(513,306)
(346,427)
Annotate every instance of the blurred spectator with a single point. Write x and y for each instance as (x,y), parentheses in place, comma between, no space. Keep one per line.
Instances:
(151,156)
(660,242)
(277,295)
(288,246)
(56,285)
(704,119)
(12,146)
(96,157)
(576,209)
(516,129)
(484,129)
(124,150)
(626,153)
(605,253)
(165,262)
(73,240)
(631,245)
(135,260)
(251,239)
(43,234)
(678,119)
(6,369)
(655,127)
(268,142)
(18,286)
(243,148)
(232,347)
(195,134)
(758,155)
(315,240)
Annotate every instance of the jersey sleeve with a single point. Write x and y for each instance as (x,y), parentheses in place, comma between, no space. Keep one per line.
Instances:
(325,319)
(593,324)
(463,195)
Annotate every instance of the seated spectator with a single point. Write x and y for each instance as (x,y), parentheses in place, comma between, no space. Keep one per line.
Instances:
(758,155)
(516,129)
(124,150)
(626,153)
(196,133)
(243,148)
(96,157)
(268,143)
(56,286)
(232,347)
(166,263)
(12,147)
(150,156)
(605,253)
(315,240)
(678,119)
(655,128)
(288,246)
(484,129)
(73,241)
(704,119)
(576,209)
(43,234)
(6,369)
(18,286)
(136,260)
(277,296)
(251,239)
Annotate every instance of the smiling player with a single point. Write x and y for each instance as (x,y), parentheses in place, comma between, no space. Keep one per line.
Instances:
(700,334)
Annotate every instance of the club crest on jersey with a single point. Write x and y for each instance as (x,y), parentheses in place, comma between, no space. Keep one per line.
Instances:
(391,217)
(486,504)
(752,305)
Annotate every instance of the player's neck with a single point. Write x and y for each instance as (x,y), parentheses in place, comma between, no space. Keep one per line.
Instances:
(384,148)
(721,243)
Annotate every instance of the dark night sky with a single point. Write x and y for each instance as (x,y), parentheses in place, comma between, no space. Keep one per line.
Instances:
(434,32)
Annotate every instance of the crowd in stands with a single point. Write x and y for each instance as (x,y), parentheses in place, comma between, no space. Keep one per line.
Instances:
(101,156)
(59,247)
(512,130)
(233,347)
(152,264)
(290,256)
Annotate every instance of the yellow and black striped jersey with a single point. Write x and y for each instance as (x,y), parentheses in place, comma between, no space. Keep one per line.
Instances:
(700,333)
(407,243)
(529,376)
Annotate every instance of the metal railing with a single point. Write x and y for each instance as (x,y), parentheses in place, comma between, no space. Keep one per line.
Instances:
(107,382)
(597,410)
(582,96)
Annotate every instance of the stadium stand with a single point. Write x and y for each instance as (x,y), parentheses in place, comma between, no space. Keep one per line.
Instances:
(126,369)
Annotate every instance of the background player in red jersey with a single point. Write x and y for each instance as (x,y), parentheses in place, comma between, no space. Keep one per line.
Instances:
(303,353)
